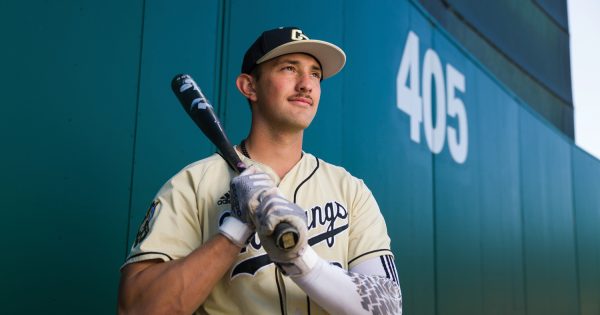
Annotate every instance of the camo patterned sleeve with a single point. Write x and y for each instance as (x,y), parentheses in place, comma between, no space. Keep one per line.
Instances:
(371,287)
(380,294)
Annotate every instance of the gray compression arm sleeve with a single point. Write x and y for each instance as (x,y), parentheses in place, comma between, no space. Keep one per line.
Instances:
(369,288)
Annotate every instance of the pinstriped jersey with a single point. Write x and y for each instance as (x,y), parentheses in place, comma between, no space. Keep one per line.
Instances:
(345,227)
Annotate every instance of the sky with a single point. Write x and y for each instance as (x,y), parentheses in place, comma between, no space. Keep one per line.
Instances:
(584,30)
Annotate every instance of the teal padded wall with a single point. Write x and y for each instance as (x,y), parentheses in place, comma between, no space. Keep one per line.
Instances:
(525,44)
(547,210)
(399,172)
(91,131)
(586,185)
(180,38)
(69,72)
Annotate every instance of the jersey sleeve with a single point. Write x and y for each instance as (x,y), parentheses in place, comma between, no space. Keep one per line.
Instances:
(171,228)
(368,235)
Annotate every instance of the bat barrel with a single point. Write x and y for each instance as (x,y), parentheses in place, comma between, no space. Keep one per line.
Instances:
(201,111)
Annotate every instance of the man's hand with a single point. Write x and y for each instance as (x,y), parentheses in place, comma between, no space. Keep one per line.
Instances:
(273,210)
(245,189)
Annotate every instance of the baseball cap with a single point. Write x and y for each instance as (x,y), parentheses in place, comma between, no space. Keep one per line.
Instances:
(287,40)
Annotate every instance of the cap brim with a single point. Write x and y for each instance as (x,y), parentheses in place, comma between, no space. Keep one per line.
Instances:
(331,57)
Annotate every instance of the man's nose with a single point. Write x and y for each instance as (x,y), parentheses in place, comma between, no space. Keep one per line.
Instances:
(305,83)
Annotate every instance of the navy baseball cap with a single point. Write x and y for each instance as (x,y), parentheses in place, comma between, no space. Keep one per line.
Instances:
(287,40)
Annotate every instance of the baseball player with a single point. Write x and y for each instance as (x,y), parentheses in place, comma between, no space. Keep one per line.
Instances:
(206,245)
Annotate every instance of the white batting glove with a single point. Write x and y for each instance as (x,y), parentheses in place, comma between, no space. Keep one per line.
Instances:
(273,210)
(244,191)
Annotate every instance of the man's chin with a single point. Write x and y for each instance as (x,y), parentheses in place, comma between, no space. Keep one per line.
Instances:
(297,126)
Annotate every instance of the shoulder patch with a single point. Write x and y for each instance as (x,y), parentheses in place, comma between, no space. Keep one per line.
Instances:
(145,226)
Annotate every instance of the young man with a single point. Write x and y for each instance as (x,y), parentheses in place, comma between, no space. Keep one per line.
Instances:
(206,245)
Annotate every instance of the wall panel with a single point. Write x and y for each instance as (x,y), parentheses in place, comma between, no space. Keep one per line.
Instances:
(548,222)
(376,146)
(586,185)
(499,200)
(69,79)
(182,38)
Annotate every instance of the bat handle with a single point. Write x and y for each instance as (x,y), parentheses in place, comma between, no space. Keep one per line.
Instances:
(285,235)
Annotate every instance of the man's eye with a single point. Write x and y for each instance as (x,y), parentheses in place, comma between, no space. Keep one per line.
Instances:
(289,68)
(317,75)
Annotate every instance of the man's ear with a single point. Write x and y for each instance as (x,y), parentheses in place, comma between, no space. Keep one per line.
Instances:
(245,84)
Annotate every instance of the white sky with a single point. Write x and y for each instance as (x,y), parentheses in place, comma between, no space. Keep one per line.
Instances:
(584,29)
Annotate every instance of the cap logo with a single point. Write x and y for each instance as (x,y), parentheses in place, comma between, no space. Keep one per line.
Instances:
(297,35)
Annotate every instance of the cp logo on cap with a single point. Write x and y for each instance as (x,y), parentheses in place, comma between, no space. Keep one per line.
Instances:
(297,35)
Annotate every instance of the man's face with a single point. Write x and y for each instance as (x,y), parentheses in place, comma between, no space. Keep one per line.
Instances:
(288,92)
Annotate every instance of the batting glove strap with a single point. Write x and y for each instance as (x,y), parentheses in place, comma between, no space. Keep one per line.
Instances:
(236,231)
(301,265)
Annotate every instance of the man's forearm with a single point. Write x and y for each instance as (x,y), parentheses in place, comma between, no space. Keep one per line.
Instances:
(178,286)
(342,292)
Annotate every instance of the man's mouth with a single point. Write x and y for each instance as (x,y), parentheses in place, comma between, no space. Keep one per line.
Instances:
(303,99)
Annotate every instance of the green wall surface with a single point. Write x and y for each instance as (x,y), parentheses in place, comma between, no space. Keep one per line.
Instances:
(525,44)
(69,86)
(491,209)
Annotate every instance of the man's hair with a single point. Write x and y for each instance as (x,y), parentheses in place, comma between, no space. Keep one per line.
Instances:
(255,73)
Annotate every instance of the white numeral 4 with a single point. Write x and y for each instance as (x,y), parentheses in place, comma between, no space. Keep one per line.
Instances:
(408,99)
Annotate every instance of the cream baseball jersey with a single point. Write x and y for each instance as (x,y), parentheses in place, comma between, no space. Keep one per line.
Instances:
(345,227)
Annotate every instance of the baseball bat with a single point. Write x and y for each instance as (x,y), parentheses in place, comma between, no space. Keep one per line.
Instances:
(201,111)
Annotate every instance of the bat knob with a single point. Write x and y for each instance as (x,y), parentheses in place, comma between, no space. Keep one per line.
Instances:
(286,236)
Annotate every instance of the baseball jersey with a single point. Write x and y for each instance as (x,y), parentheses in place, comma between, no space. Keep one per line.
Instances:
(345,227)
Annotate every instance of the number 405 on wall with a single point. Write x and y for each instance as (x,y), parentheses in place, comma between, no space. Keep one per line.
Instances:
(410,81)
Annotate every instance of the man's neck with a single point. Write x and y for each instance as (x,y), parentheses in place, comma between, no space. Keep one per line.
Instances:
(279,152)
